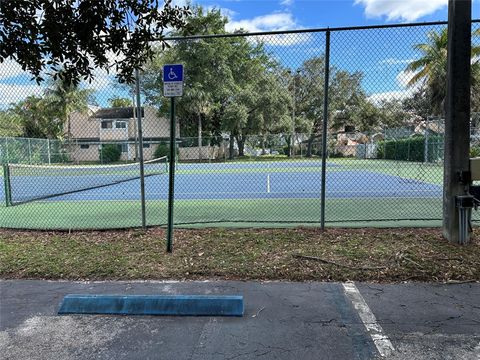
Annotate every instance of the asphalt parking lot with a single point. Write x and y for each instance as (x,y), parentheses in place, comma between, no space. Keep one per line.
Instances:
(282,320)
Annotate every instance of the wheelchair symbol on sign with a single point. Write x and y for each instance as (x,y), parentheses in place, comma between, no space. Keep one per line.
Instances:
(171,75)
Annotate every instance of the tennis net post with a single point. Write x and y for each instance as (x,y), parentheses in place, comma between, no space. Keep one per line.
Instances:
(8,189)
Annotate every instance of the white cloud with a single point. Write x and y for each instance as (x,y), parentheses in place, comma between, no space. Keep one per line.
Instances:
(102,80)
(286,2)
(10,68)
(403,10)
(270,22)
(377,98)
(229,14)
(404,77)
(393,61)
(284,39)
(12,93)
(179,2)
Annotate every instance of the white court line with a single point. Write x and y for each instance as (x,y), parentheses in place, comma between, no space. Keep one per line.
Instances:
(381,341)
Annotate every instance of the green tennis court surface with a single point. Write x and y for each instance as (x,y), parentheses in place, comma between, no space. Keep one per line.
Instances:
(239,194)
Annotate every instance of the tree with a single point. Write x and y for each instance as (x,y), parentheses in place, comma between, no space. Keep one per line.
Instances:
(430,70)
(230,84)
(419,103)
(36,118)
(346,98)
(63,98)
(116,102)
(69,37)
(348,102)
(392,113)
(10,124)
(46,116)
(205,64)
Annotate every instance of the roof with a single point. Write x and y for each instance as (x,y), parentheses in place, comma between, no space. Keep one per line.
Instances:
(117,113)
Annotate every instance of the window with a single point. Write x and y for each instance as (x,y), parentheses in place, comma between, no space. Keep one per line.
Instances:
(123,147)
(106,124)
(120,124)
(84,146)
(146,146)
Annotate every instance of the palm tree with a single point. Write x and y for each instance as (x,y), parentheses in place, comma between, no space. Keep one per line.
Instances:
(431,68)
(64,98)
(201,103)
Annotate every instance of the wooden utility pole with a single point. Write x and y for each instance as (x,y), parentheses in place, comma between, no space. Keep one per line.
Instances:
(457,121)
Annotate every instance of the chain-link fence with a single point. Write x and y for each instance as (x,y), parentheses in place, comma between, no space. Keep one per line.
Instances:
(250,130)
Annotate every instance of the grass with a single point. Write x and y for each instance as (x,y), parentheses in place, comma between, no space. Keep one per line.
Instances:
(383,255)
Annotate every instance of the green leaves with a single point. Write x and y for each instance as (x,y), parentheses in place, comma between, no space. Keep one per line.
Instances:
(45,116)
(430,69)
(48,35)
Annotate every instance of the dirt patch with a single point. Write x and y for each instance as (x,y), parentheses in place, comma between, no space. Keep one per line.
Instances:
(301,254)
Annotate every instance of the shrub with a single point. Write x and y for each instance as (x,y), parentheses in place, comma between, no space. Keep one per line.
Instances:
(336,155)
(410,149)
(163,150)
(475,151)
(110,153)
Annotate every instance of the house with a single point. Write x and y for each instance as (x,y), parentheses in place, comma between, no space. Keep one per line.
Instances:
(87,132)
(347,141)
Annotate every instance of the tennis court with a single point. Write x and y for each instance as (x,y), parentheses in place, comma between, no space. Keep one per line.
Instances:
(276,192)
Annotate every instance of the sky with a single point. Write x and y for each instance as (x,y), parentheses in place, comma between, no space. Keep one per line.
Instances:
(265,15)
(382,56)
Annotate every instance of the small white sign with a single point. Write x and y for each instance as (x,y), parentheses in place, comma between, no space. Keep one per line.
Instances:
(173,89)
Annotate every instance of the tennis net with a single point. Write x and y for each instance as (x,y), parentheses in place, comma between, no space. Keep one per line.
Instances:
(26,183)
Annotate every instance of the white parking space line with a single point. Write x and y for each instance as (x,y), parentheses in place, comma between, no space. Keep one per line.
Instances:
(476,351)
(381,341)
(207,336)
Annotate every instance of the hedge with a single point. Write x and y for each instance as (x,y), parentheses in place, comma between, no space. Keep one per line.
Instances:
(411,149)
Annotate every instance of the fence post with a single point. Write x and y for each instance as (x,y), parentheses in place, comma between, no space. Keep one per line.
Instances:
(408,149)
(140,150)
(457,120)
(325,127)
(425,155)
(7,185)
(7,160)
(48,152)
(29,152)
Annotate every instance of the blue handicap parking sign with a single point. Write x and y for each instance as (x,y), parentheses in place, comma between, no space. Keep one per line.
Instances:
(173,73)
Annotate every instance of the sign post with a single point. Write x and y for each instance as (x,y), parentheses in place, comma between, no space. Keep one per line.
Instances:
(172,87)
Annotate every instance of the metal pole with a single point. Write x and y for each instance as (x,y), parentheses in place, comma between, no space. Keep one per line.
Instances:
(135,130)
(325,128)
(199,136)
(292,151)
(29,152)
(425,155)
(7,185)
(6,150)
(140,153)
(48,152)
(171,176)
(457,121)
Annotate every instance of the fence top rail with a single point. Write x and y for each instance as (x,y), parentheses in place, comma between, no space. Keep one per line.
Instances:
(314,30)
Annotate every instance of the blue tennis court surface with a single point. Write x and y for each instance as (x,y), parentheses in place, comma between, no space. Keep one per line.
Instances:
(246,181)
